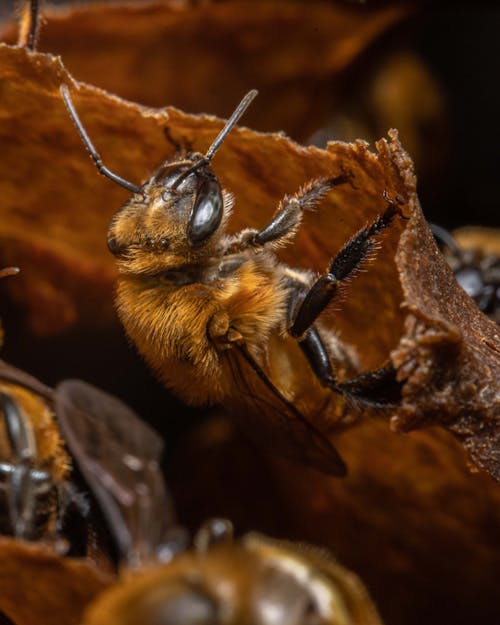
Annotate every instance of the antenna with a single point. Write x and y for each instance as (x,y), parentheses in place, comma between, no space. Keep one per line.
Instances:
(90,146)
(30,24)
(229,125)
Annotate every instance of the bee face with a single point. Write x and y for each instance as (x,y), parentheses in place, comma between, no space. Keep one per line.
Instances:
(177,217)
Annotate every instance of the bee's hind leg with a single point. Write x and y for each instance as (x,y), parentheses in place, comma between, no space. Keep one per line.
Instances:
(375,388)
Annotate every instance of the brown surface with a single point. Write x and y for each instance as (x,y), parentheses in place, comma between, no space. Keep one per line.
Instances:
(42,588)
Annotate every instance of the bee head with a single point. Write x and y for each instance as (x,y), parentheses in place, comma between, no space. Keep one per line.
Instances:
(194,180)
(178,210)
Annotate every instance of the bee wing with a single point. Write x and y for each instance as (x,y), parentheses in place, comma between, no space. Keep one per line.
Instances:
(279,424)
(118,455)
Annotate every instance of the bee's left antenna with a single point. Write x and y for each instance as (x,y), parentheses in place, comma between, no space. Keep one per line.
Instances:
(90,146)
(30,24)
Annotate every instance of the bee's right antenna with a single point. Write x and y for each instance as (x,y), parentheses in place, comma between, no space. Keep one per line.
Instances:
(90,146)
(231,122)
(228,126)
(30,24)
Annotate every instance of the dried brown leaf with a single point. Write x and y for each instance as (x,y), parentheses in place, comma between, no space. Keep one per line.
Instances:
(38,586)
(204,56)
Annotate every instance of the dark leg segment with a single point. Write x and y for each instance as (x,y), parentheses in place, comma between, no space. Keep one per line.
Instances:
(344,266)
(375,388)
(315,352)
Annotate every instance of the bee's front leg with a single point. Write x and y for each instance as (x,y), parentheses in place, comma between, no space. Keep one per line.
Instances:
(288,216)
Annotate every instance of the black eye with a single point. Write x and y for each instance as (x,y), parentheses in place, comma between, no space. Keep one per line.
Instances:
(207,212)
(115,248)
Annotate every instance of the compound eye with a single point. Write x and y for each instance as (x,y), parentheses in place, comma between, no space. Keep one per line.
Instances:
(207,212)
(470,280)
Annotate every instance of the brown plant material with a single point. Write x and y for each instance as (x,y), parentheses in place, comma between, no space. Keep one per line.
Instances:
(39,586)
(204,56)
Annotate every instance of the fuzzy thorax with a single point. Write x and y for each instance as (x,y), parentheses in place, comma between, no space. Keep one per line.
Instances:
(182,331)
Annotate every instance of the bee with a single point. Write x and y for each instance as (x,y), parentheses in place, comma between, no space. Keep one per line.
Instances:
(474,256)
(254,580)
(163,578)
(42,494)
(220,319)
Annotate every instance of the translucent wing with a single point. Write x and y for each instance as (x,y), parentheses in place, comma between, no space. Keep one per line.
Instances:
(118,454)
(275,421)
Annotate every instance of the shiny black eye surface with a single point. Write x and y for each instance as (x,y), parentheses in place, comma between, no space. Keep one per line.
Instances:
(207,212)
(115,248)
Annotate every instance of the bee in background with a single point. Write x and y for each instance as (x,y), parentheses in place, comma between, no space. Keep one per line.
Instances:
(253,580)
(220,319)
(474,256)
(27,486)
(32,458)
(164,580)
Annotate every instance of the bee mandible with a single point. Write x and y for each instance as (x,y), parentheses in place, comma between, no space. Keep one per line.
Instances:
(219,318)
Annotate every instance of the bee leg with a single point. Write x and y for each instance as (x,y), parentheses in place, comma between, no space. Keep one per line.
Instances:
(375,388)
(378,388)
(358,250)
(19,481)
(288,216)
